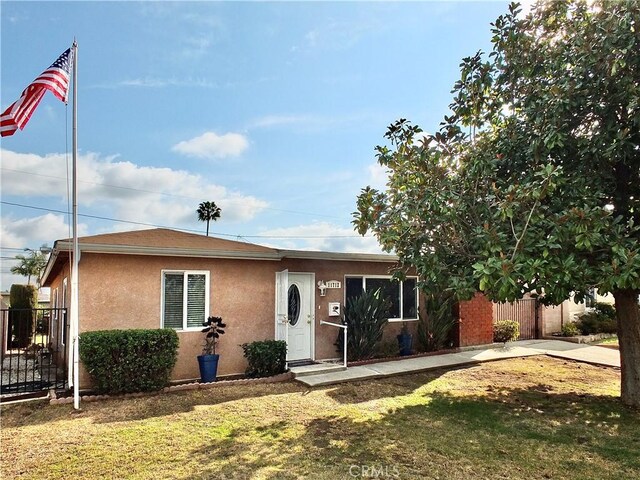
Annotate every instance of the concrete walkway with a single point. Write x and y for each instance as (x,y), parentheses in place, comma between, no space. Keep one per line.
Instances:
(526,348)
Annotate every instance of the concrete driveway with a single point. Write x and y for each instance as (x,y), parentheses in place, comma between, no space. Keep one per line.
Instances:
(525,348)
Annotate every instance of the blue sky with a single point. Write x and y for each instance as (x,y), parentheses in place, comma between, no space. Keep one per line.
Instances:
(272,110)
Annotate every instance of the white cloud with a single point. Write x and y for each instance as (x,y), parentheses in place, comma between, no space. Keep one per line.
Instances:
(315,123)
(378,176)
(156,82)
(277,120)
(320,236)
(34,232)
(211,145)
(335,34)
(124,190)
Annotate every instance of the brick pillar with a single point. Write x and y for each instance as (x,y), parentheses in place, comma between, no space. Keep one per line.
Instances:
(476,321)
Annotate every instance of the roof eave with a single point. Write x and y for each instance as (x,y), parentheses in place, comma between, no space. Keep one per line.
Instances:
(172,251)
(339,256)
(51,261)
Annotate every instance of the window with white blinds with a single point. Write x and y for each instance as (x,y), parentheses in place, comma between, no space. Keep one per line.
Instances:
(185,299)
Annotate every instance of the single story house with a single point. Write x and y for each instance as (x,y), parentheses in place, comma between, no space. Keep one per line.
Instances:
(165,278)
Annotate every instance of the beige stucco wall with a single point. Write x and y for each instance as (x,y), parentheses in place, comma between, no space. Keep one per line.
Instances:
(60,351)
(574,310)
(124,291)
(325,335)
(553,317)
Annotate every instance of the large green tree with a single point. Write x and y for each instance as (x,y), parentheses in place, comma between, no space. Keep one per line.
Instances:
(30,265)
(532,184)
(208,211)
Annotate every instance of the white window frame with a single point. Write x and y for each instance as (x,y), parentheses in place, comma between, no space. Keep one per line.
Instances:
(65,316)
(387,277)
(54,314)
(185,294)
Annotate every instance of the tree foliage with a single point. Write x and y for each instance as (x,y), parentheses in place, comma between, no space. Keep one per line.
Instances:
(30,265)
(532,184)
(208,211)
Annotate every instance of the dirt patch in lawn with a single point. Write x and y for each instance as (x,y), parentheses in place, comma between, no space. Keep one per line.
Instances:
(527,418)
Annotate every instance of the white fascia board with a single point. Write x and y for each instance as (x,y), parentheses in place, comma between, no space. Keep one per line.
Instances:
(174,252)
(50,263)
(339,256)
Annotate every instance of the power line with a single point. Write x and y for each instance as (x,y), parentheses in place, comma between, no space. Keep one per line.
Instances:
(230,200)
(97,217)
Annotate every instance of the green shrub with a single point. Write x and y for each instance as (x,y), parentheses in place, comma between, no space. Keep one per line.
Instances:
(365,316)
(433,330)
(22,298)
(506,331)
(125,361)
(386,349)
(266,358)
(570,330)
(601,320)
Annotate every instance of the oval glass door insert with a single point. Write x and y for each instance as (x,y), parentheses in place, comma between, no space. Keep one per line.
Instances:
(293,310)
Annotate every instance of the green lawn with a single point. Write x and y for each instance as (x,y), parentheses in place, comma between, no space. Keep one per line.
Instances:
(533,418)
(608,342)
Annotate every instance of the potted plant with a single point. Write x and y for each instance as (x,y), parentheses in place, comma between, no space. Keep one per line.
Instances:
(208,361)
(405,340)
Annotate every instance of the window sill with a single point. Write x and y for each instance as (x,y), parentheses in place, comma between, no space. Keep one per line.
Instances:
(399,320)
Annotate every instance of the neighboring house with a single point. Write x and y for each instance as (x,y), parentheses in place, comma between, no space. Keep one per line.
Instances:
(44,298)
(550,318)
(4,300)
(165,278)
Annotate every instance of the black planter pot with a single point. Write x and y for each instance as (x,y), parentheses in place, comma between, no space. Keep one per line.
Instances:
(405,341)
(208,367)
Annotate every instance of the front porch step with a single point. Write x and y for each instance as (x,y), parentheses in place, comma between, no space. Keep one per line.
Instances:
(316,369)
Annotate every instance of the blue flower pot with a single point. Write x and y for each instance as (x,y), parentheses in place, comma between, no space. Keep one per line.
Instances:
(208,367)
(405,341)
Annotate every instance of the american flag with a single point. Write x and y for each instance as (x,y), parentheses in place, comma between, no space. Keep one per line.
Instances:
(55,79)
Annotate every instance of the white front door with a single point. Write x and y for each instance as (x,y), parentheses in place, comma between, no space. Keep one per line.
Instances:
(300,310)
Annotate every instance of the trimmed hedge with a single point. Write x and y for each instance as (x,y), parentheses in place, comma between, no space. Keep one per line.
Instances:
(506,331)
(127,361)
(23,296)
(570,330)
(266,358)
(22,300)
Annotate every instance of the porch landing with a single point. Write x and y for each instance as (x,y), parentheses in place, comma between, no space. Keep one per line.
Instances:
(525,348)
(317,369)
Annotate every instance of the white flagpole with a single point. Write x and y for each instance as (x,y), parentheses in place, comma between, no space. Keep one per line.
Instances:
(76,250)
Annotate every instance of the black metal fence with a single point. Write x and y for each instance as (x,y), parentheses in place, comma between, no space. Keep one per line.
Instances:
(33,350)
(525,312)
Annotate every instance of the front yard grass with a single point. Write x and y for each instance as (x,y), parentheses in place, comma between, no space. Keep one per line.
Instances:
(531,418)
(611,342)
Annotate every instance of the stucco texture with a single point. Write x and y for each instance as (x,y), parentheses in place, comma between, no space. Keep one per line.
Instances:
(124,291)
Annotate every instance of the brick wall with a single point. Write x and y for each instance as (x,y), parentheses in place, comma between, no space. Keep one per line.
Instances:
(476,321)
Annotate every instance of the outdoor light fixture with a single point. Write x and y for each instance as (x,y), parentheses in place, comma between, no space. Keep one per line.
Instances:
(323,287)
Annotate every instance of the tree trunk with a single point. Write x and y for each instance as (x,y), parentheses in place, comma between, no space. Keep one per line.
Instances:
(628,312)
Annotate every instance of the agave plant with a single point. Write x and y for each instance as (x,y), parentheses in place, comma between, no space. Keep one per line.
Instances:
(433,330)
(213,329)
(366,316)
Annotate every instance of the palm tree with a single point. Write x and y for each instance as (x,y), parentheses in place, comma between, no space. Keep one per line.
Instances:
(30,266)
(208,211)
